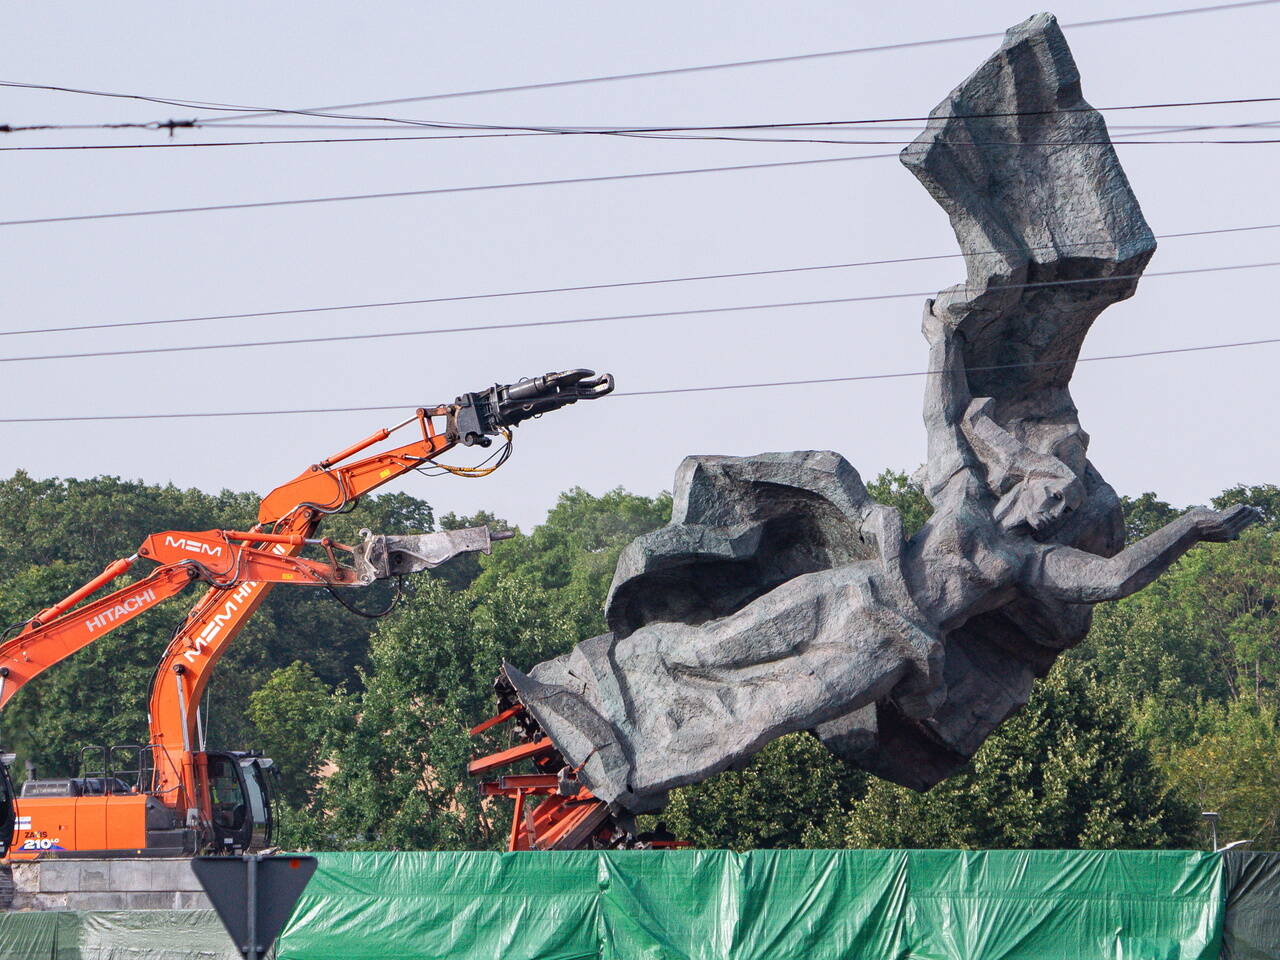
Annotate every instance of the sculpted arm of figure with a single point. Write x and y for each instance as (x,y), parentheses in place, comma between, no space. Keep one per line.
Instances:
(1079,577)
(946,398)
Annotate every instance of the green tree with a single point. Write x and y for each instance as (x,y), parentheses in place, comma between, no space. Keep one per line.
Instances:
(895,489)
(1069,771)
(1145,514)
(293,716)
(572,555)
(1264,497)
(1209,627)
(400,780)
(793,787)
(1233,769)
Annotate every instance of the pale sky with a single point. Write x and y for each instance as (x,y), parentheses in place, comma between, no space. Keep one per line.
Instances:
(1185,426)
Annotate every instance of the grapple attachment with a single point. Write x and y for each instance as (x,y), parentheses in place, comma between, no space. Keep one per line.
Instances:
(380,556)
(478,416)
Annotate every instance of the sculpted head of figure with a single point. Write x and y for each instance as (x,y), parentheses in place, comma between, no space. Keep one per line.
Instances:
(1036,487)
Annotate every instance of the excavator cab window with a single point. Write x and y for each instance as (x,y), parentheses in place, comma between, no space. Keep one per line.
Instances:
(239,802)
(259,793)
(227,801)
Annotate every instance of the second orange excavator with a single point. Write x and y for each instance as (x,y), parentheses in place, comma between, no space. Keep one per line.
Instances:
(172,795)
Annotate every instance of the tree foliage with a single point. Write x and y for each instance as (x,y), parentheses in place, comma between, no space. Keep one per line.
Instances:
(57,534)
(895,489)
(1168,708)
(1230,765)
(294,712)
(399,777)
(1068,771)
(792,787)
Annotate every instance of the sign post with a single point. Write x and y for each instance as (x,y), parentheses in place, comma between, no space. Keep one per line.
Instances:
(254,895)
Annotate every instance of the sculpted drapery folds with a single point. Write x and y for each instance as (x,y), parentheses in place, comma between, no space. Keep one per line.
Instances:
(781,598)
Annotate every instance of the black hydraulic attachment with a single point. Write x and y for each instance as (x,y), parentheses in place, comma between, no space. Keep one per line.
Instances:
(488,412)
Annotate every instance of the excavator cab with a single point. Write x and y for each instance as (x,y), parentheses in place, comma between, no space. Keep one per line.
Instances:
(239,801)
(8,813)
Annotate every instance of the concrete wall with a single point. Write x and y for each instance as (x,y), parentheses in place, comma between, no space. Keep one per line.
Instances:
(151,884)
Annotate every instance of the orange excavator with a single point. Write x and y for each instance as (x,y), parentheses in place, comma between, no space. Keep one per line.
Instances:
(173,796)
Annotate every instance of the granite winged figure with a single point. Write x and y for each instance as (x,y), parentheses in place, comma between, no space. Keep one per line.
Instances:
(782,598)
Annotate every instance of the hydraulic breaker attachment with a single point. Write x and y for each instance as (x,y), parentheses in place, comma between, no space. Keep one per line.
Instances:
(478,416)
(379,557)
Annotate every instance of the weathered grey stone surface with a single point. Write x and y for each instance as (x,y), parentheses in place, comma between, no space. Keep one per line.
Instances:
(144,884)
(781,598)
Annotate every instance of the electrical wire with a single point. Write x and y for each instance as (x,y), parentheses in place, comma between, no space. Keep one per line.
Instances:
(263,143)
(609,286)
(443,190)
(649,136)
(651,393)
(878,48)
(483,130)
(244,112)
(458,190)
(702,311)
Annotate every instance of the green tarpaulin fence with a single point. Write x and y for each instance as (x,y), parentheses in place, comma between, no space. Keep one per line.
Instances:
(764,905)
(715,905)
(115,935)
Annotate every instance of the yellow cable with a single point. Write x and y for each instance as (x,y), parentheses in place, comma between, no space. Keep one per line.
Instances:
(476,472)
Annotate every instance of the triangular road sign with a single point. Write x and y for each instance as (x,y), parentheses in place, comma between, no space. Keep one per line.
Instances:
(253,895)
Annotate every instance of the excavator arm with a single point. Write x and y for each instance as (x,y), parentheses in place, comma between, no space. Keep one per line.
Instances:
(293,512)
(472,420)
(222,559)
(240,567)
(54,634)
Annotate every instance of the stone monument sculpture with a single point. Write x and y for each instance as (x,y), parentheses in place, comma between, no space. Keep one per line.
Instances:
(782,598)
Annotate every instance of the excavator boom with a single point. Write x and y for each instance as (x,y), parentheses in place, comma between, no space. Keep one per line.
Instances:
(240,568)
(295,510)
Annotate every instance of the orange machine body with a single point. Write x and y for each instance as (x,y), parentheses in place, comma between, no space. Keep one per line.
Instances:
(48,825)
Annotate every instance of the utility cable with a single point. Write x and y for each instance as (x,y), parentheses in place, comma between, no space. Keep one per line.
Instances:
(494,129)
(658,314)
(608,286)
(437,191)
(652,393)
(1149,129)
(240,110)
(655,136)
(442,190)
(675,71)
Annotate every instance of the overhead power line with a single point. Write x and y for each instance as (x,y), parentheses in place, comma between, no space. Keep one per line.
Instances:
(656,136)
(599,286)
(647,393)
(523,324)
(1149,129)
(442,190)
(496,129)
(509,186)
(765,61)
